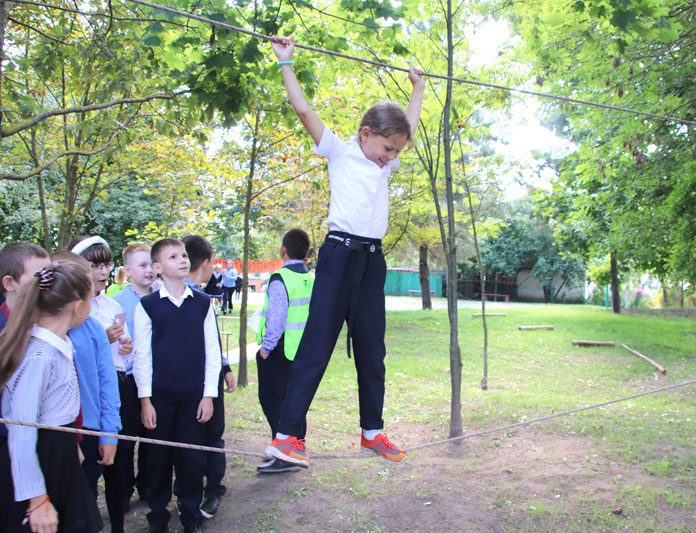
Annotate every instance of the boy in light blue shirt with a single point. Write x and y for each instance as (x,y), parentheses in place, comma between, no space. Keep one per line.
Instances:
(137,265)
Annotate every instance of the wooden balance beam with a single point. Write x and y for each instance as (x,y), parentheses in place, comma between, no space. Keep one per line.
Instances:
(593,343)
(654,363)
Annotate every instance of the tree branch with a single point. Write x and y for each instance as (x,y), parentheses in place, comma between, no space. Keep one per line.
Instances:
(272,185)
(36,30)
(80,153)
(85,109)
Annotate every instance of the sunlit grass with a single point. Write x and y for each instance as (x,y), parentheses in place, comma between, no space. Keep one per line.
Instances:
(531,374)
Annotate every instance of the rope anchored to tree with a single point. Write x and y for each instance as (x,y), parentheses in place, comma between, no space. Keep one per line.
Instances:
(244,453)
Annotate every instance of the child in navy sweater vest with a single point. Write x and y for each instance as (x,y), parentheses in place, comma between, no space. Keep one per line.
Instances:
(176,368)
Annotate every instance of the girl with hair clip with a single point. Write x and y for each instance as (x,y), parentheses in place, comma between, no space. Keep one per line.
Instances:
(36,366)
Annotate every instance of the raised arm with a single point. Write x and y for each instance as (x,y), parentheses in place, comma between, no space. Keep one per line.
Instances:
(415,76)
(284,48)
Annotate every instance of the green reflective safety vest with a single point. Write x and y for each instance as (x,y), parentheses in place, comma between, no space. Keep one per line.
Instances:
(299,289)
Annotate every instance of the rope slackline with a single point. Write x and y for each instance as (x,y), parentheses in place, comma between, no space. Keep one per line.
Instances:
(486,85)
(243,453)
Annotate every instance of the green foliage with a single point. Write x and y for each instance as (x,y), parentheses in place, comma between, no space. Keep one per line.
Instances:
(626,189)
(123,211)
(527,241)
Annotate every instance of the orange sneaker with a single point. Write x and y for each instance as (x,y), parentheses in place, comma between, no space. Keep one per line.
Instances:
(291,450)
(383,447)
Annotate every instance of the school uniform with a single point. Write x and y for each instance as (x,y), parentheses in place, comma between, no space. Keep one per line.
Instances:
(101,403)
(214,286)
(283,318)
(348,287)
(177,363)
(10,511)
(44,389)
(129,299)
(104,310)
(215,463)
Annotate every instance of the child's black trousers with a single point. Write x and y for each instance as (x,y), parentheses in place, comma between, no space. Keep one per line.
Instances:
(176,421)
(349,287)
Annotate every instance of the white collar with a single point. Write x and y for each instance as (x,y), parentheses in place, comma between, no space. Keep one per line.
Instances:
(164,293)
(64,346)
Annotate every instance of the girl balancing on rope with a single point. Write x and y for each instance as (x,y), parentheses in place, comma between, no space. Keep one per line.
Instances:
(351,270)
(37,356)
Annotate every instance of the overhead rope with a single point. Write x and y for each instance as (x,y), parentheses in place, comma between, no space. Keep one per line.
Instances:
(486,85)
(244,453)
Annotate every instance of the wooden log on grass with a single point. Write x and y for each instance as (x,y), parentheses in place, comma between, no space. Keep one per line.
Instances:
(488,314)
(593,343)
(653,363)
(528,328)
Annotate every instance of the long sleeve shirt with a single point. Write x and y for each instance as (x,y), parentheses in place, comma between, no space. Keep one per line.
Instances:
(277,312)
(229,277)
(105,309)
(44,389)
(142,364)
(195,287)
(98,380)
(128,299)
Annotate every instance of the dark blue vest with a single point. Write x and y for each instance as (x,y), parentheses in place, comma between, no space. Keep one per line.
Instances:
(178,346)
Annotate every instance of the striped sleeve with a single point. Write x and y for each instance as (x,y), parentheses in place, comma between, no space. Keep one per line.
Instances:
(27,394)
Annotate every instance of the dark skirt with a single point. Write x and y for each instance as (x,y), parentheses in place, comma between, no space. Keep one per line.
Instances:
(66,484)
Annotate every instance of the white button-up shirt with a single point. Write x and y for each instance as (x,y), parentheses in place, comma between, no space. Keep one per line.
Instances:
(104,310)
(359,202)
(142,348)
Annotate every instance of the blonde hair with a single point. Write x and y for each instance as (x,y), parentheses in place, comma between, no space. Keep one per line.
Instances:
(69,278)
(133,248)
(120,276)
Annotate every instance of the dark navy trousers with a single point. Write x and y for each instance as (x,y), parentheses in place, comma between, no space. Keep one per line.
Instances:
(215,463)
(176,421)
(274,374)
(345,278)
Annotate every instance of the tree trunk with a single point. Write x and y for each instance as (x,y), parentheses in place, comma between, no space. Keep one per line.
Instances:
(558,291)
(663,284)
(681,294)
(44,214)
(452,311)
(615,284)
(424,275)
(242,378)
(482,270)
(67,216)
(5,7)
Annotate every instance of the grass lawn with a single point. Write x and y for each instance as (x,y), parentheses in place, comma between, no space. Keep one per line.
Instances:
(629,466)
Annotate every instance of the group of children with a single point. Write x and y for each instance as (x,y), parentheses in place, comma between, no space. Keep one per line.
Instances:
(146,362)
(150,361)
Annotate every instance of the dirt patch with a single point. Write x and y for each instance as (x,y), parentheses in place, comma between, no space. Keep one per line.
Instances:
(529,480)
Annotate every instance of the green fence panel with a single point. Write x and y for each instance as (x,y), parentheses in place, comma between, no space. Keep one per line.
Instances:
(399,283)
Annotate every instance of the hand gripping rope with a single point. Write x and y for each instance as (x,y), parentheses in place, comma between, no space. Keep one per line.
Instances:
(402,69)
